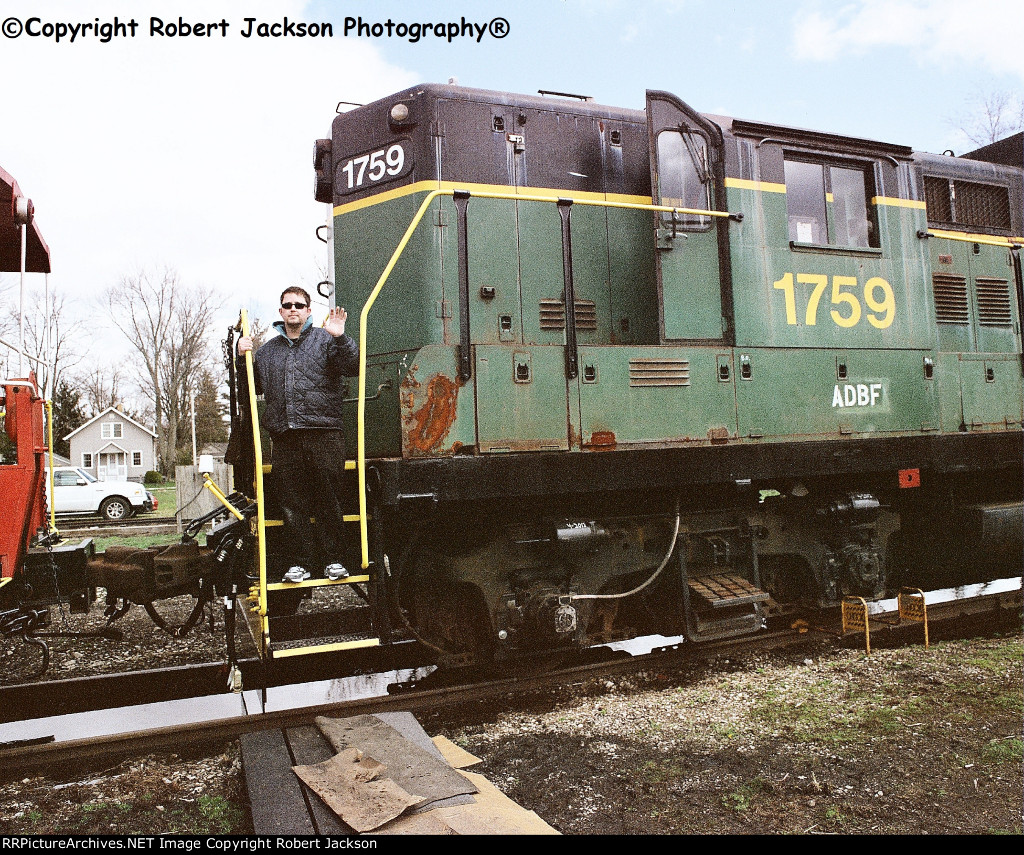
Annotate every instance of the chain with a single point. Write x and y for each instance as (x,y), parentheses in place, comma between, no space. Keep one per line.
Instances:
(47,541)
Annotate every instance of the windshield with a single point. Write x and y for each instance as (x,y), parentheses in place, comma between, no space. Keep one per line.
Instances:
(86,475)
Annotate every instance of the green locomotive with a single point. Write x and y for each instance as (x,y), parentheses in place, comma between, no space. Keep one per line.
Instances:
(661,372)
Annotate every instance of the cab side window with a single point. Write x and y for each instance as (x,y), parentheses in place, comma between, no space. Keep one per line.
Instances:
(827,204)
(684,177)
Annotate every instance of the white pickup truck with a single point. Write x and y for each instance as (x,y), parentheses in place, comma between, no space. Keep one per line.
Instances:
(78,492)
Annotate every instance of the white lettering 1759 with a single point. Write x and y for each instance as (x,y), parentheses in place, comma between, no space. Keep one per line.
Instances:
(374,166)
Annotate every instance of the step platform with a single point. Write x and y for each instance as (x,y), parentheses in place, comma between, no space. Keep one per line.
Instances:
(723,605)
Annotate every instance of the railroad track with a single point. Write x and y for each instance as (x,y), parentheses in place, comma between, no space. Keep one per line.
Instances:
(948,619)
(18,760)
(73,525)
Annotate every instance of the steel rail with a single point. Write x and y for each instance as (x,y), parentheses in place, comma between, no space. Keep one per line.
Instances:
(24,701)
(41,756)
(19,760)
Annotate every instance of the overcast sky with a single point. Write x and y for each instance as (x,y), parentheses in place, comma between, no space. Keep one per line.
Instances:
(196,152)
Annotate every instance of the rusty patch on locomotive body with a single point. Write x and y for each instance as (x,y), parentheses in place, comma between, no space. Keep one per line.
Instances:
(429,425)
(602,439)
(718,435)
(410,381)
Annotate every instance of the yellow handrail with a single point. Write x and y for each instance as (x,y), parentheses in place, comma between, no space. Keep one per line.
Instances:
(209,484)
(257,441)
(989,240)
(364,314)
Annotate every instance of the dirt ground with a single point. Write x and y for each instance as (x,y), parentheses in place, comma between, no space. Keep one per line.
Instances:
(905,741)
(816,740)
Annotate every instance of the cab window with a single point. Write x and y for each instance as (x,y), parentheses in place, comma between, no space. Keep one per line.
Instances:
(827,204)
(684,177)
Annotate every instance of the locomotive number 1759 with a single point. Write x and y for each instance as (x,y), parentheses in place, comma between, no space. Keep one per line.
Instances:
(373,166)
(848,312)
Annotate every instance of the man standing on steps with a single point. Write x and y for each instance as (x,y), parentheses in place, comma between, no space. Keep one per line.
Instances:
(300,373)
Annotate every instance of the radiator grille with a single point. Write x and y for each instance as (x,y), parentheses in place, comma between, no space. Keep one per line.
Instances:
(552,314)
(950,299)
(936,196)
(967,203)
(982,204)
(659,372)
(994,308)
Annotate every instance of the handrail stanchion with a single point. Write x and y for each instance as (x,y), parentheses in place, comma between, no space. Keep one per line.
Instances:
(243,322)
(364,538)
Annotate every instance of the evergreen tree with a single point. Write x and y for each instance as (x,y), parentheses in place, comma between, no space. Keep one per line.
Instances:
(68,414)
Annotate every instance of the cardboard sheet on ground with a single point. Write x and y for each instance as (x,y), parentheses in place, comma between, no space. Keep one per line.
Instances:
(458,758)
(354,787)
(493,813)
(417,771)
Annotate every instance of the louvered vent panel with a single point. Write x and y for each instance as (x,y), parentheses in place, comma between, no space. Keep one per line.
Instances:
(994,308)
(950,299)
(552,314)
(659,372)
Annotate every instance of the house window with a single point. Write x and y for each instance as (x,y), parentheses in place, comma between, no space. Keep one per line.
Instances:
(112,430)
(136,458)
(86,460)
(684,177)
(828,204)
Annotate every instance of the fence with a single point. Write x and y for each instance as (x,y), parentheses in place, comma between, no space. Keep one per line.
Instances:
(194,499)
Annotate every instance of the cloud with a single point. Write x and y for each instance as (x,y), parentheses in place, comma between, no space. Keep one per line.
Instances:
(945,34)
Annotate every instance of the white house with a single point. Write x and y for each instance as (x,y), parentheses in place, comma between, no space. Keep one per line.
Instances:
(113,446)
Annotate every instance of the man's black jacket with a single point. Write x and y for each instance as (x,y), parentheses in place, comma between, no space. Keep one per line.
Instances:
(302,381)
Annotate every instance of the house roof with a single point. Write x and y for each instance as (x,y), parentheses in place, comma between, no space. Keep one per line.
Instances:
(112,445)
(96,418)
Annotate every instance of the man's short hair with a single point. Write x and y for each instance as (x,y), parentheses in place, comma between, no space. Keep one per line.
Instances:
(295,289)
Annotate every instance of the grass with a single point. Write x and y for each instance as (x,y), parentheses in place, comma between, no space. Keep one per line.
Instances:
(1004,751)
(829,712)
(167,497)
(741,799)
(142,541)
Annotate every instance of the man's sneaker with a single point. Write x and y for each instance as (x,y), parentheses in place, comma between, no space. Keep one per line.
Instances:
(336,571)
(296,574)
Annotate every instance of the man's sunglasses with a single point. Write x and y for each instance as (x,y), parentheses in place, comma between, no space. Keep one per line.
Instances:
(293,305)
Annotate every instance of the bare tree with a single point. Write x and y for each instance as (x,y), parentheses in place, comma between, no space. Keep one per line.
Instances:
(100,388)
(49,335)
(168,325)
(990,116)
(50,338)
